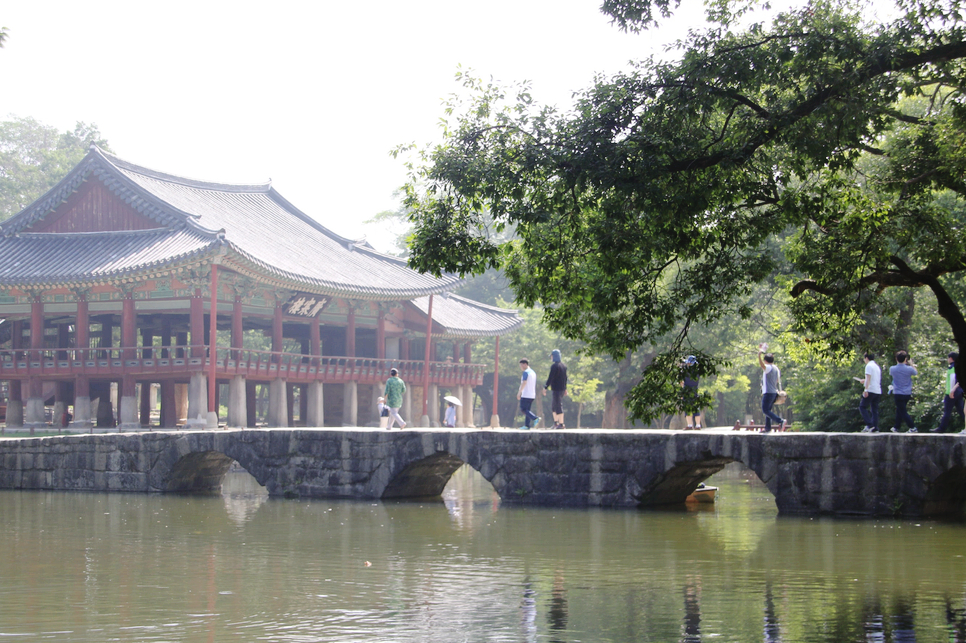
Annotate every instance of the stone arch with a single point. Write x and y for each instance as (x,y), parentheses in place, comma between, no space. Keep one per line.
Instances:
(198,472)
(424,478)
(198,463)
(676,483)
(947,494)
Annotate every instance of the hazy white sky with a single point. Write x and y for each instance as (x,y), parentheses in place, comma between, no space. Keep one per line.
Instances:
(313,95)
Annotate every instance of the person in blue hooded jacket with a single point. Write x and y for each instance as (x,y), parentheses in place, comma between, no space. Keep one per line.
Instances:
(690,385)
(557,383)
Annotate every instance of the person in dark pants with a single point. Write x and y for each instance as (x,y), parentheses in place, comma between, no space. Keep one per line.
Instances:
(690,385)
(871,394)
(770,376)
(527,394)
(953,400)
(557,383)
(902,373)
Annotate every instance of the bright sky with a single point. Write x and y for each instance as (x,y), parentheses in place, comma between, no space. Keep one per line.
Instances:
(313,95)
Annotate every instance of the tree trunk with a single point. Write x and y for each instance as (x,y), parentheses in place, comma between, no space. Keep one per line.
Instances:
(904,325)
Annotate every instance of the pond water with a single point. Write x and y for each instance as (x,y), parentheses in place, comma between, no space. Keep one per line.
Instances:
(243,567)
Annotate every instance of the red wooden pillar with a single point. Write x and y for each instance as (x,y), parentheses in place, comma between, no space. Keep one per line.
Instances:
(16,342)
(16,338)
(429,343)
(237,327)
(404,348)
(129,339)
(169,411)
(35,386)
(350,333)
(278,340)
(496,377)
(466,352)
(213,343)
(197,324)
(36,326)
(166,339)
(63,340)
(82,329)
(315,340)
(147,352)
(82,388)
(381,335)
(107,337)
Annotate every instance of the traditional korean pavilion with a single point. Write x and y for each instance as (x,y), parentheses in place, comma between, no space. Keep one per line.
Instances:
(156,287)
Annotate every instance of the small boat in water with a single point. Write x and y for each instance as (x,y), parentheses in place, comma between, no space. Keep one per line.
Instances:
(703,493)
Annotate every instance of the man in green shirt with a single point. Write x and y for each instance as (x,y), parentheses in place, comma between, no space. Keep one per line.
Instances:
(953,400)
(395,388)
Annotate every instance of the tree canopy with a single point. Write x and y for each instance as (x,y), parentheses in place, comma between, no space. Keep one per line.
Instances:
(34,157)
(820,147)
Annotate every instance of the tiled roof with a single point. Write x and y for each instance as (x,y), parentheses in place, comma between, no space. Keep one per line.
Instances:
(263,233)
(53,260)
(465,318)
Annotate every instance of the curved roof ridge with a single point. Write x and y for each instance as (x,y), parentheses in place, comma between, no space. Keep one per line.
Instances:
(101,233)
(480,304)
(331,287)
(181,180)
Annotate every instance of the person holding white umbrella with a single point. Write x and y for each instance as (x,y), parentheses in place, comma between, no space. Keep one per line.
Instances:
(451,403)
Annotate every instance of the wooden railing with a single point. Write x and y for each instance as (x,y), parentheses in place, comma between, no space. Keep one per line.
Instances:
(174,361)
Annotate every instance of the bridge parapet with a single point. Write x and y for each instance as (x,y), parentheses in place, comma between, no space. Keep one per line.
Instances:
(808,473)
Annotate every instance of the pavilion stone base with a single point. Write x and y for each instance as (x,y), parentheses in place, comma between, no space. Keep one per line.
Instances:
(14,414)
(315,406)
(82,413)
(238,402)
(128,420)
(34,413)
(494,421)
(350,404)
(60,408)
(197,402)
(277,404)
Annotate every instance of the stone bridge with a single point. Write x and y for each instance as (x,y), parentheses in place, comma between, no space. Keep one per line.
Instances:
(808,473)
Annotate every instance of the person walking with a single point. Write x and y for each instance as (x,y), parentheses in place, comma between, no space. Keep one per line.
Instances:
(871,394)
(449,420)
(395,388)
(383,412)
(770,377)
(557,383)
(953,400)
(690,388)
(527,394)
(902,372)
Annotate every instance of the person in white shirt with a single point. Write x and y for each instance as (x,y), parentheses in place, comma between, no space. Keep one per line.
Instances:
(527,393)
(770,378)
(871,394)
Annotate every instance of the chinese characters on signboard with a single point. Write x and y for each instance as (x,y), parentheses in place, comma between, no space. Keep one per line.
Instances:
(306,305)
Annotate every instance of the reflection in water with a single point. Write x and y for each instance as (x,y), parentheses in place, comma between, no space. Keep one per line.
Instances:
(528,612)
(772,632)
(125,567)
(955,623)
(873,622)
(903,625)
(692,614)
(557,610)
(242,494)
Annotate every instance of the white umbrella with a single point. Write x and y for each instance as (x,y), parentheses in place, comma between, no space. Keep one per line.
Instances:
(455,401)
